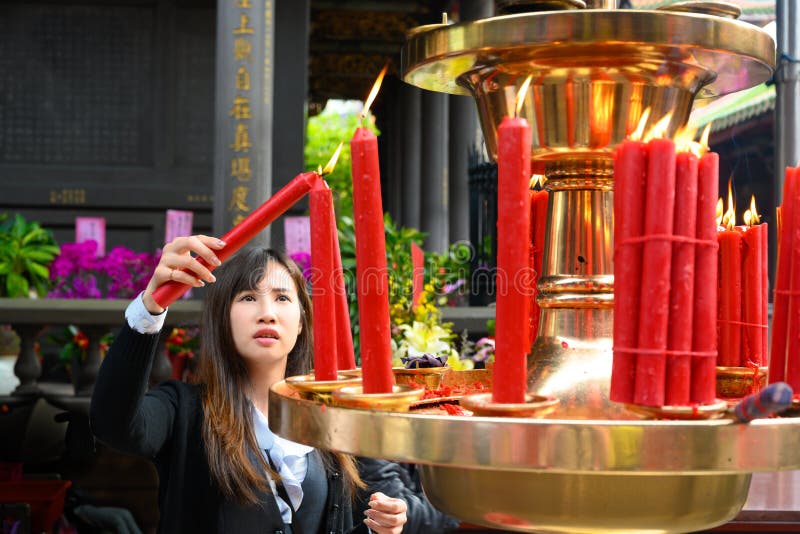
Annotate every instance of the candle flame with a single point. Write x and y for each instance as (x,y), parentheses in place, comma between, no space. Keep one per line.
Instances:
(522,93)
(684,141)
(537,181)
(720,210)
(332,162)
(729,219)
(753,211)
(374,92)
(659,129)
(705,135)
(639,131)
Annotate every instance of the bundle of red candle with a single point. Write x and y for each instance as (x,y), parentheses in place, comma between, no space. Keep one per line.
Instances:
(784,362)
(665,275)
(742,289)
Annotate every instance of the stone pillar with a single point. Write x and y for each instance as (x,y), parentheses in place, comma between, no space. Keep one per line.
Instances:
(243,111)
(787,106)
(291,91)
(434,172)
(464,135)
(411,103)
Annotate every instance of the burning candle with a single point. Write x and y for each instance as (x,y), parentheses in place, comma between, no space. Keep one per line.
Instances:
(345,355)
(753,278)
(730,287)
(656,271)
(246,230)
(324,290)
(372,277)
(630,160)
(513,257)
(679,362)
(538,203)
(704,336)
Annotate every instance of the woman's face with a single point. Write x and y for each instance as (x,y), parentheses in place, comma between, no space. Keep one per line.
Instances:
(265,322)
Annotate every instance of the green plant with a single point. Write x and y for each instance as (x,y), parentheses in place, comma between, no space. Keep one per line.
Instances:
(26,251)
(323,134)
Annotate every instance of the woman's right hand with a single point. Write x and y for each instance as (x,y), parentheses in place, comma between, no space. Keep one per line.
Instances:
(179,265)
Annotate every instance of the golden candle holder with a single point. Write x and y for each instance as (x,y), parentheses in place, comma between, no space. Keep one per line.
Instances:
(310,388)
(694,412)
(353,373)
(429,377)
(399,400)
(590,465)
(738,382)
(468,379)
(534,406)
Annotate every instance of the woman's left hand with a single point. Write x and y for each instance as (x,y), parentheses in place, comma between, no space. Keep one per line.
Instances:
(385,515)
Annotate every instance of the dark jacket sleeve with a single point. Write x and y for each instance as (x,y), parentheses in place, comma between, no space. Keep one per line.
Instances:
(122,413)
(398,481)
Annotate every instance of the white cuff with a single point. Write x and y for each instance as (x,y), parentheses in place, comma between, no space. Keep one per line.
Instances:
(141,320)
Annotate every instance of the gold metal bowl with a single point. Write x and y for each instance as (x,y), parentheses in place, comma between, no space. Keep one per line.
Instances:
(738,382)
(714,410)
(399,400)
(594,71)
(308,387)
(534,406)
(429,377)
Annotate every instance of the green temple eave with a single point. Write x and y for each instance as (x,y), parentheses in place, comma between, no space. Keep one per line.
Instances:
(734,109)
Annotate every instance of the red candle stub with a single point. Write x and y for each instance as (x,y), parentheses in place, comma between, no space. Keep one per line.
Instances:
(512,325)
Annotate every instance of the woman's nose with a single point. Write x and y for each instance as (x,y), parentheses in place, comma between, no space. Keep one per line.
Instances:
(267,312)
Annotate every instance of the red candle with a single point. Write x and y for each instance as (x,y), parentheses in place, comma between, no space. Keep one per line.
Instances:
(656,271)
(793,331)
(780,312)
(754,295)
(629,183)
(344,336)
(730,297)
(538,202)
(246,230)
(418,273)
(704,335)
(679,366)
(513,260)
(323,283)
(372,281)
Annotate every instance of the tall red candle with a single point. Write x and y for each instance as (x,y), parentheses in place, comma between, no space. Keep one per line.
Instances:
(679,366)
(323,283)
(513,260)
(538,205)
(752,288)
(629,183)
(372,280)
(656,271)
(246,230)
(730,297)
(704,335)
(780,312)
(345,355)
(793,331)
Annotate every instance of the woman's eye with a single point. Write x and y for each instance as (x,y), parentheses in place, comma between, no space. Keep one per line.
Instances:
(247,298)
(284,298)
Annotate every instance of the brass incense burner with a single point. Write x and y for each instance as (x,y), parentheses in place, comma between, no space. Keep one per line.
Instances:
(587,465)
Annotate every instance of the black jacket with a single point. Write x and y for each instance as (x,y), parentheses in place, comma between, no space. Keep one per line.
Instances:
(165,425)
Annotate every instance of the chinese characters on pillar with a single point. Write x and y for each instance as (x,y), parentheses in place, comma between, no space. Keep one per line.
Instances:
(240,169)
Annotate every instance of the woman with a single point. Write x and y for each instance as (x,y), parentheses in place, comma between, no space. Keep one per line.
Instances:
(220,468)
